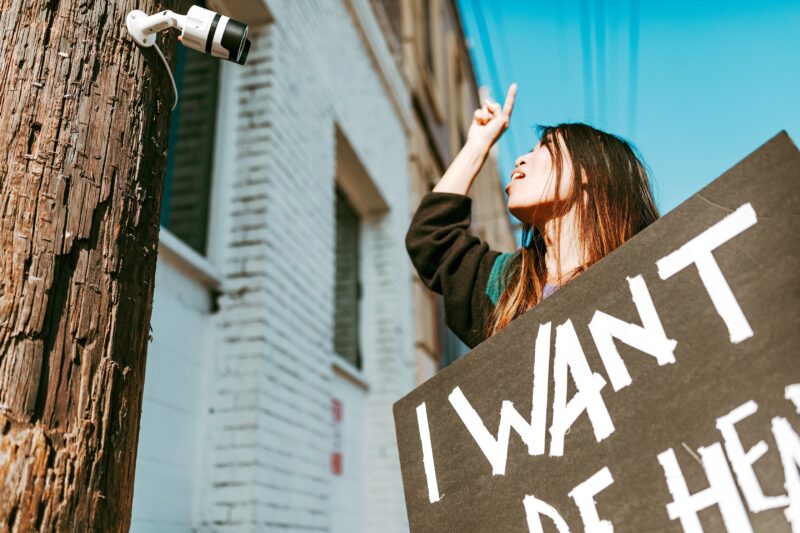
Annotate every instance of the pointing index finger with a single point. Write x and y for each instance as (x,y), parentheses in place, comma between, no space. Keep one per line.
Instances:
(510,96)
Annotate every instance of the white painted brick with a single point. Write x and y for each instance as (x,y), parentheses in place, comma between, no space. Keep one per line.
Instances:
(270,379)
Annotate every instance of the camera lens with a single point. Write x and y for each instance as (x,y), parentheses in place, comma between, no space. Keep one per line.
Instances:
(245,51)
(234,40)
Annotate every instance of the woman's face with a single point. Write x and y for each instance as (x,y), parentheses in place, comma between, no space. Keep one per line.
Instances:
(532,194)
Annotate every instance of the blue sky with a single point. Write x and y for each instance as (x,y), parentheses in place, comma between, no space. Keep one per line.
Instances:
(695,85)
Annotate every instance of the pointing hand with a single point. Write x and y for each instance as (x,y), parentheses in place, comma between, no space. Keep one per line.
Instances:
(491,120)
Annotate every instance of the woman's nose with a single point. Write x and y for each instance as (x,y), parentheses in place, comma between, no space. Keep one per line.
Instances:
(519,161)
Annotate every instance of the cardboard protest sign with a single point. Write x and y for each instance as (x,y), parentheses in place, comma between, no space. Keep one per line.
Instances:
(658,391)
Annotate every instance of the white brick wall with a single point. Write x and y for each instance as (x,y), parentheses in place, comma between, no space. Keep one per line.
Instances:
(237,430)
(170,435)
(269,445)
(347,488)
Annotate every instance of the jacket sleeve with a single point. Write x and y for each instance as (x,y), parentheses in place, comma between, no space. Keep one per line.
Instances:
(453,262)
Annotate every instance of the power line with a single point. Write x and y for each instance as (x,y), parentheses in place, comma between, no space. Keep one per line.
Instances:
(507,51)
(485,40)
(633,73)
(586,49)
(600,48)
(491,63)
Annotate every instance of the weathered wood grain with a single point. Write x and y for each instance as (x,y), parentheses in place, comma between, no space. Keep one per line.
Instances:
(83,131)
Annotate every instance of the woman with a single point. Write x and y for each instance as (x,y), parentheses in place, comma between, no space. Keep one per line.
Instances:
(580,193)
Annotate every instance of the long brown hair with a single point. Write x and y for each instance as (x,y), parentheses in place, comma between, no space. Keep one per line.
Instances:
(620,204)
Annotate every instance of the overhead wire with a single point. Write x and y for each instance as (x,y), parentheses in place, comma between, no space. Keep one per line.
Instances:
(495,83)
(600,64)
(586,52)
(491,62)
(633,67)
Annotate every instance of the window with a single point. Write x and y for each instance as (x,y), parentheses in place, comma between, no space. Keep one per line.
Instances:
(430,45)
(187,180)
(348,281)
(428,35)
(390,16)
(460,113)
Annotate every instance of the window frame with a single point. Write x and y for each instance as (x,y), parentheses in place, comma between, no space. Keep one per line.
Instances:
(434,78)
(213,143)
(341,195)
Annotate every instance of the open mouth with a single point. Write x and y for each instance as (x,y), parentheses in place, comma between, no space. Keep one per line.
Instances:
(516,175)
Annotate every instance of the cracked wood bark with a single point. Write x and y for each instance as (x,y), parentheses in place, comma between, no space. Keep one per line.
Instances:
(83,132)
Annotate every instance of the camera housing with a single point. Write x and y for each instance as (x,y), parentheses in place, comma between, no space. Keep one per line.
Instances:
(209,32)
(201,29)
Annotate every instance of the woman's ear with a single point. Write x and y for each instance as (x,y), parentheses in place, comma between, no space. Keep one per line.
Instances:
(584,187)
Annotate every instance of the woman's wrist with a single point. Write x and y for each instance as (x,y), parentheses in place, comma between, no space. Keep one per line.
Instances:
(478,145)
(465,167)
(476,152)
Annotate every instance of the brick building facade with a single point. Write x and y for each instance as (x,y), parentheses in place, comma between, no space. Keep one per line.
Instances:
(284,317)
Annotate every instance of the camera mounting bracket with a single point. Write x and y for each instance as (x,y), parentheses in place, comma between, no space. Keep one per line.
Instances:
(133,22)
(143,27)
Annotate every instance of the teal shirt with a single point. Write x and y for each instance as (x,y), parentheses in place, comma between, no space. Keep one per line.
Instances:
(494,287)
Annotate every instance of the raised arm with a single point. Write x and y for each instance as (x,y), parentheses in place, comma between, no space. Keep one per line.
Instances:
(453,262)
(488,124)
(448,258)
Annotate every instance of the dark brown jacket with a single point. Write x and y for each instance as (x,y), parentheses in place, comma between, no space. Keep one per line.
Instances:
(456,264)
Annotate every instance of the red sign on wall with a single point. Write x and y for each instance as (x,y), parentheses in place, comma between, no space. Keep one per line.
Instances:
(336,455)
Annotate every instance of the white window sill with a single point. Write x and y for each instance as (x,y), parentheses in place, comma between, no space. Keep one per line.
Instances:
(345,369)
(184,258)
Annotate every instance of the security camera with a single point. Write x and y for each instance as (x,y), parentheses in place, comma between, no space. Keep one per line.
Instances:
(201,29)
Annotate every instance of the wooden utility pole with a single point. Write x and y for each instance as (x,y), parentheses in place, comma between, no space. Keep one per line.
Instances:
(83,133)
